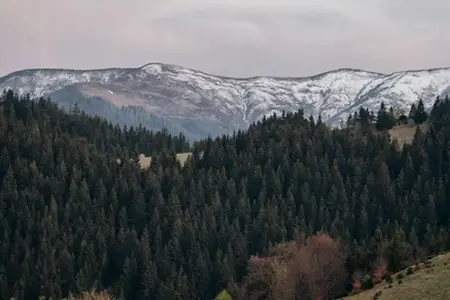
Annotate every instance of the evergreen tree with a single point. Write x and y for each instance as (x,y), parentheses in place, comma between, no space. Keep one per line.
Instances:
(420,114)
(385,119)
(73,217)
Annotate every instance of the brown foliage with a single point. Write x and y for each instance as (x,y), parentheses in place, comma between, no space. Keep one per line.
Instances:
(357,276)
(320,267)
(380,270)
(356,286)
(310,269)
(268,279)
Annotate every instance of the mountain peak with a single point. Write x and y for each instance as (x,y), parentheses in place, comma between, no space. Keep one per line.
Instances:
(152,68)
(199,102)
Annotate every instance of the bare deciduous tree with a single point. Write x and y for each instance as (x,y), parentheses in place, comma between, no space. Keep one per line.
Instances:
(268,278)
(258,278)
(319,266)
(310,269)
(380,269)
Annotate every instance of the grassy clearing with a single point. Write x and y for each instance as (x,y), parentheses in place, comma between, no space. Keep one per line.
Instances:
(430,281)
(404,134)
(145,161)
(92,296)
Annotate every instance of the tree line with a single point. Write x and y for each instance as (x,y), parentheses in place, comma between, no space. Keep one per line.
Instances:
(387,119)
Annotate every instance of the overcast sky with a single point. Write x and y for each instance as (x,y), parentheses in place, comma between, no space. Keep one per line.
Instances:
(226,37)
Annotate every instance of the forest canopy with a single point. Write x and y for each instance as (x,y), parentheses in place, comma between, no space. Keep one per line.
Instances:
(72,219)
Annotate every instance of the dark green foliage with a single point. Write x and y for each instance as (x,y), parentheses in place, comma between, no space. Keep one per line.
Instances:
(72,218)
(135,116)
(419,115)
(412,111)
(389,278)
(385,119)
(440,115)
(367,282)
(409,271)
(403,119)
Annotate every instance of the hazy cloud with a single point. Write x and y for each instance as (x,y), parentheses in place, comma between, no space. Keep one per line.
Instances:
(233,37)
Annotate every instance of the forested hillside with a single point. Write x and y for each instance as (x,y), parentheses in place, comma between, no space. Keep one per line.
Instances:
(131,115)
(72,219)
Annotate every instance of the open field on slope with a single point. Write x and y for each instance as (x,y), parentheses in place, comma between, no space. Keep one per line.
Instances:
(145,161)
(430,282)
(405,133)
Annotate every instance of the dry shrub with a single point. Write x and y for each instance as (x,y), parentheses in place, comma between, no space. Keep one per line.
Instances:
(380,270)
(310,269)
(319,267)
(357,285)
(268,278)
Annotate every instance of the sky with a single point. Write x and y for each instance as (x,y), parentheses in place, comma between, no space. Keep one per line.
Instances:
(237,38)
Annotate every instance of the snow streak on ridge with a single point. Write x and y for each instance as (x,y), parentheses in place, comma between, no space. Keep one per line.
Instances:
(172,91)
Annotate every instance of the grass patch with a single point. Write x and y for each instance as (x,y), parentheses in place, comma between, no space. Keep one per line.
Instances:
(404,134)
(422,284)
(145,161)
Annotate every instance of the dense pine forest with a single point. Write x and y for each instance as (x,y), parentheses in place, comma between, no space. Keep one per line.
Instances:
(73,219)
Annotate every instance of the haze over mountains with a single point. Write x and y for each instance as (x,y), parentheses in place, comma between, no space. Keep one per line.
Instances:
(199,104)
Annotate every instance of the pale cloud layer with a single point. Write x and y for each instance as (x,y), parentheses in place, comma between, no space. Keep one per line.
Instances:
(227,37)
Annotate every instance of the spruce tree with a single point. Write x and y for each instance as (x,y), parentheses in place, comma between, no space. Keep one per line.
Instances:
(420,115)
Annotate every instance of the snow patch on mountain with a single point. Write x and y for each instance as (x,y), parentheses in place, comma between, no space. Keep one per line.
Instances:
(194,96)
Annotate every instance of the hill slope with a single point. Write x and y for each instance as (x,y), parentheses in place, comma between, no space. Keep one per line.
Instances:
(72,219)
(429,282)
(200,104)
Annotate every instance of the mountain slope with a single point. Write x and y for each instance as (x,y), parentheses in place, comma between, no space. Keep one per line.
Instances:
(429,281)
(200,104)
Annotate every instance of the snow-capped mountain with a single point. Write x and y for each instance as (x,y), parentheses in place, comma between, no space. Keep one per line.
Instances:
(199,104)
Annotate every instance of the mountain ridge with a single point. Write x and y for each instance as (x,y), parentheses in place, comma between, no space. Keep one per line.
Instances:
(227,77)
(199,104)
